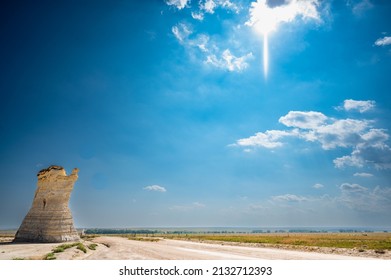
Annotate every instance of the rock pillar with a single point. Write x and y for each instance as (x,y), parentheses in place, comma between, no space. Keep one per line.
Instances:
(49,218)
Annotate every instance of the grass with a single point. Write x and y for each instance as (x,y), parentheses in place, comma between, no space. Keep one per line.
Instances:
(81,247)
(92,246)
(18,259)
(89,237)
(50,256)
(61,248)
(147,239)
(373,241)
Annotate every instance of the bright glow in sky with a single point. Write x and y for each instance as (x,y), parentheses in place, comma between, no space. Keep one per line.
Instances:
(265,19)
(162,107)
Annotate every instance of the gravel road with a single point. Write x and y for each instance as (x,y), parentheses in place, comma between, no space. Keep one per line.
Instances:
(165,249)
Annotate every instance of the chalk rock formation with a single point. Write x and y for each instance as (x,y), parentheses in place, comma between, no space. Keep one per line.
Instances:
(49,218)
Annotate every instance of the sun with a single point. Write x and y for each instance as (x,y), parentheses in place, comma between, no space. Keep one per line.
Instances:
(264,21)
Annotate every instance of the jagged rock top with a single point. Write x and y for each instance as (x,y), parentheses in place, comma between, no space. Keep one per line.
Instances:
(55,172)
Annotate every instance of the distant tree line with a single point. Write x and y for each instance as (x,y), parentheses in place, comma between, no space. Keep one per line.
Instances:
(120,231)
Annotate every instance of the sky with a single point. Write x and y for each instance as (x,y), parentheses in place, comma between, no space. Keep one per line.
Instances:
(199,113)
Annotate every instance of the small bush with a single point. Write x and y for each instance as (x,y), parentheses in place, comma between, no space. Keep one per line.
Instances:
(50,256)
(92,246)
(81,247)
(58,250)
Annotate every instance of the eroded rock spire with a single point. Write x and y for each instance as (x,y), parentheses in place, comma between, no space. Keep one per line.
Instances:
(49,218)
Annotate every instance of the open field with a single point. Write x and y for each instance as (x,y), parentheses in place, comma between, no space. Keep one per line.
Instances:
(361,241)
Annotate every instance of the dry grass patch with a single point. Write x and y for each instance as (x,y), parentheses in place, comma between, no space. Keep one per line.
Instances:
(372,241)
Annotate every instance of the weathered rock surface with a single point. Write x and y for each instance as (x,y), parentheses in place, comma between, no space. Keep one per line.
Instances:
(49,218)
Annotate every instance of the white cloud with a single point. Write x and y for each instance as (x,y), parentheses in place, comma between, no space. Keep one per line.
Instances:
(361,198)
(353,196)
(340,133)
(385,41)
(369,145)
(289,198)
(155,188)
(228,61)
(318,186)
(363,174)
(266,19)
(182,32)
(346,187)
(372,150)
(359,105)
(198,16)
(305,120)
(229,5)
(213,56)
(352,160)
(269,139)
(208,6)
(180,4)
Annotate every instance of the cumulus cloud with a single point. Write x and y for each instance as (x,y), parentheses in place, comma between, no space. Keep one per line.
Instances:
(155,188)
(359,105)
(372,150)
(228,61)
(266,19)
(318,186)
(269,139)
(385,41)
(179,4)
(358,197)
(368,144)
(304,120)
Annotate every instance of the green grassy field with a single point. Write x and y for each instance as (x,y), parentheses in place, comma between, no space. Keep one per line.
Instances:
(375,241)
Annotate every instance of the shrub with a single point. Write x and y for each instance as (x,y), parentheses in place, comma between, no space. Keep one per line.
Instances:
(81,247)
(50,256)
(92,246)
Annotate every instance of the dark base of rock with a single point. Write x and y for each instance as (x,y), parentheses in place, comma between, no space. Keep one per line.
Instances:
(60,239)
(33,237)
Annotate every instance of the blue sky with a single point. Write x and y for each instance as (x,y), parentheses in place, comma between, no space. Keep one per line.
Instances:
(173,117)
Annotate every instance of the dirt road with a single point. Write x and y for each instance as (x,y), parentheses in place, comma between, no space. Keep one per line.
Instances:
(121,248)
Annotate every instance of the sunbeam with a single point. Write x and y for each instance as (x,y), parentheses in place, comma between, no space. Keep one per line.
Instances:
(265,19)
(265,55)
